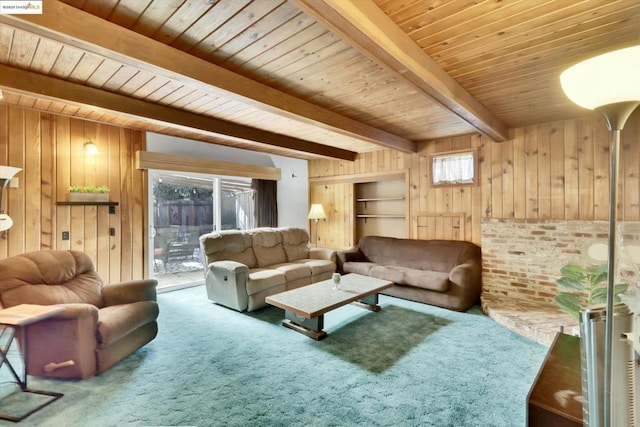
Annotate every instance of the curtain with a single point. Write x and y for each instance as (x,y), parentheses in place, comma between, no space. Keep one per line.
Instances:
(453,169)
(245,210)
(265,202)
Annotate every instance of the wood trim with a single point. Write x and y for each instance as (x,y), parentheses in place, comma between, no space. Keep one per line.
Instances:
(428,222)
(371,31)
(74,27)
(84,96)
(150,160)
(361,177)
(476,168)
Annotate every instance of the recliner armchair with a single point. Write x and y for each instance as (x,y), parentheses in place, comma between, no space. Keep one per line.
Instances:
(100,325)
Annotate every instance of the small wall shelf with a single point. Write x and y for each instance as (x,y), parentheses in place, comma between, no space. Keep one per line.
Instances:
(112,205)
(87,203)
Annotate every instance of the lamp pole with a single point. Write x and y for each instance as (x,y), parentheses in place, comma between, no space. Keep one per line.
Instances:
(615,115)
(607,83)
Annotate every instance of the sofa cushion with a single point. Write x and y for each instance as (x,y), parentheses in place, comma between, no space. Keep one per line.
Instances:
(431,255)
(390,273)
(431,280)
(267,245)
(261,279)
(295,242)
(358,267)
(118,321)
(318,266)
(229,245)
(293,271)
(29,277)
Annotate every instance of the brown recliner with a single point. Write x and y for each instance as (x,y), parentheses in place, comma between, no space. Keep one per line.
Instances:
(100,325)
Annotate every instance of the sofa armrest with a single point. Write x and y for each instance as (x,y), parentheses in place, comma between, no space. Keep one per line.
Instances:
(348,255)
(130,291)
(68,335)
(76,311)
(466,274)
(226,283)
(228,266)
(322,253)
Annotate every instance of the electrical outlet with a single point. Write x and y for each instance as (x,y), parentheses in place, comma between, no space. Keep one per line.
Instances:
(65,235)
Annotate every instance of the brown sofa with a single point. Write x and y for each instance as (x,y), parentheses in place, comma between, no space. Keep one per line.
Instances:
(446,273)
(244,267)
(100,324)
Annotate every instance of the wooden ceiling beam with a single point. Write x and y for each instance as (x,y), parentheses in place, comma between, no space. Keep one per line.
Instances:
(53,89)
(373,33)
(74,27)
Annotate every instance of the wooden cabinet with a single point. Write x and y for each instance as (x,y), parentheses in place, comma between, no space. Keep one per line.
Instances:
(555,397)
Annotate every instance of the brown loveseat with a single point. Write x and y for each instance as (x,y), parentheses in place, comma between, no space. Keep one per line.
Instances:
(100,325)
(244,267)
(446,273)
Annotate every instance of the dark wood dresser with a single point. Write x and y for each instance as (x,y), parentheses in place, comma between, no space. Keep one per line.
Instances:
(555,397)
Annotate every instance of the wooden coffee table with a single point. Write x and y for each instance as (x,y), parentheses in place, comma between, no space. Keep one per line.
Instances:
(305,307)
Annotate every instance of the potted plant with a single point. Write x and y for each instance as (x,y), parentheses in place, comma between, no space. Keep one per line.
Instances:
(584,286)
(88,193)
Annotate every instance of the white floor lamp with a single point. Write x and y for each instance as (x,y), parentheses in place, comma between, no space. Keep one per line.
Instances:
(609,84)
(317,212)
(6,173)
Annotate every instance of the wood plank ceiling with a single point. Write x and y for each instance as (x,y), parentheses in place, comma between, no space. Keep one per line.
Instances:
(308,78)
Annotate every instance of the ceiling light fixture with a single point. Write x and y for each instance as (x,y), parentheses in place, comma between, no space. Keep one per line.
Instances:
(608,84)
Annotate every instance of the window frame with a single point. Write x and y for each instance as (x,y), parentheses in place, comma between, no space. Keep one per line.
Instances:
(476,169)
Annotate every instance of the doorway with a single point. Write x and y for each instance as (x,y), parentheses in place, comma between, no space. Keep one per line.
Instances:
(184,206)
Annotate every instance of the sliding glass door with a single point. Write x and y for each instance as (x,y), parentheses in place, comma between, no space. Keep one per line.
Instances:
(183,207)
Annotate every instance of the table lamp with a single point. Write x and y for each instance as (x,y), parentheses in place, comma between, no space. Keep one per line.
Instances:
(317,212)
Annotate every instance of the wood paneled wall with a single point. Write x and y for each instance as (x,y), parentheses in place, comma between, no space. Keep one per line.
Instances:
(50,150)
(556,170)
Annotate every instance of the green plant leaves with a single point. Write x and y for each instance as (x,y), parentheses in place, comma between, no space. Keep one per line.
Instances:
(569,303)
(570,283)
(585,286)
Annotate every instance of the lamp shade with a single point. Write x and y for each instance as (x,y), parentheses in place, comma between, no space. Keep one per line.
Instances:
(317,212)
(7,172)
(5,222)
(605,79)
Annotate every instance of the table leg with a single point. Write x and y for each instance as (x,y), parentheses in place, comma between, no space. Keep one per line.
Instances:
(3,354)
(309,327)
(369,302)
(23,382)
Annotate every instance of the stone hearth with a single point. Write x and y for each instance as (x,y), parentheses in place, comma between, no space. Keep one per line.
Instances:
(535,321)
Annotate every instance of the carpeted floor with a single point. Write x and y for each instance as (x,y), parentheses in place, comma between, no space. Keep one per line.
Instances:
(408,365)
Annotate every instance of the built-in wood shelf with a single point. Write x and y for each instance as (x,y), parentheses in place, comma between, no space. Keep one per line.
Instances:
(380,216)
(381,199)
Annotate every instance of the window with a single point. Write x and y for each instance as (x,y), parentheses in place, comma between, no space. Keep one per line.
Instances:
(454,168)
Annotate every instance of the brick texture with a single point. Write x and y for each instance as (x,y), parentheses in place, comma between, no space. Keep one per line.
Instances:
(522,258)
(522,261)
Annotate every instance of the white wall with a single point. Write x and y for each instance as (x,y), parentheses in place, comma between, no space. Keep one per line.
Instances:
(293,192)
(293,187)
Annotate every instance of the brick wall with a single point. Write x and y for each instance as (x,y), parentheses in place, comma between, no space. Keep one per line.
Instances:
(522,258)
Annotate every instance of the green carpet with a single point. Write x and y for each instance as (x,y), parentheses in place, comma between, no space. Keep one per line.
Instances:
(408,365)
